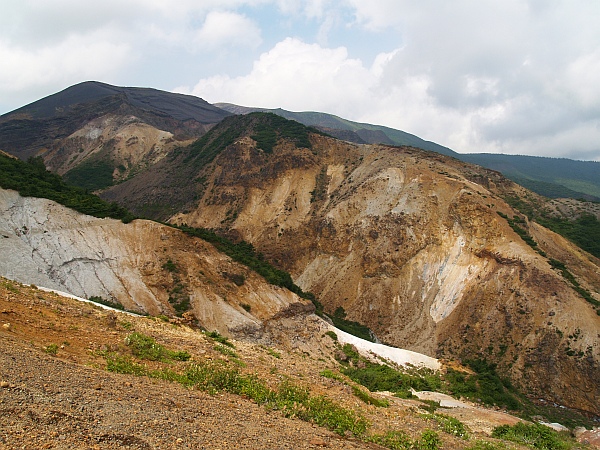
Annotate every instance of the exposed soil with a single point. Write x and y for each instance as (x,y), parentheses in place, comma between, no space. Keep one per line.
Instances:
(69,400)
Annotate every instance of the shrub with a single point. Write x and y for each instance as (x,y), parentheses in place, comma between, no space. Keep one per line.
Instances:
(449,424)
(51,349)
(216,336)
(533,435)
(145,347)
(332,335)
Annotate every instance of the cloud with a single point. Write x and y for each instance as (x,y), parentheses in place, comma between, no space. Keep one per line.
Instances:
(294,74)
(223,28)
(518,76)
(74,58)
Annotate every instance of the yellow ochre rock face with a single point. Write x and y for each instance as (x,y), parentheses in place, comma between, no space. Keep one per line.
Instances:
(146,266)
(411,244)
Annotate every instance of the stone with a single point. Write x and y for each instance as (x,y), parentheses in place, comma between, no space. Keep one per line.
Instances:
(318,442)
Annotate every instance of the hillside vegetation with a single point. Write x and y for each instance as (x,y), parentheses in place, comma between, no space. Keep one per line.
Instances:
(31,179)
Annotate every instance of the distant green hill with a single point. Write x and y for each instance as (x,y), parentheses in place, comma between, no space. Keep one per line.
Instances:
(363,132)
(552,177)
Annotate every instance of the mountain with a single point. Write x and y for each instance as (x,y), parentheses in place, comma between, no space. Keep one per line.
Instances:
(97,134)
(346,129)
(431,253)
(317,384)
(76,376)
(420,247)
(551,177)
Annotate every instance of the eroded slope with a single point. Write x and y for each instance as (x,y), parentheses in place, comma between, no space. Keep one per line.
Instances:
(411,244)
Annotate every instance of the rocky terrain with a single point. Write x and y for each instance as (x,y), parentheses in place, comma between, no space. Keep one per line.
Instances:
(98,134)
(55,391)
(418,247)
(432,254)
(145,266)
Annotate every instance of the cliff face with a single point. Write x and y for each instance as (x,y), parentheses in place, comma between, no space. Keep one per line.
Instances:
(143,265)
(411,244)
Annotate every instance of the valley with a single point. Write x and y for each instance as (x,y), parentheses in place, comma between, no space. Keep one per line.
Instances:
(260,231)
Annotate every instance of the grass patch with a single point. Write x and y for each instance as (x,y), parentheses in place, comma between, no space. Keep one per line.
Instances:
(361,394)
(227,351)
(51,349)
(534,435)
(105,302)
(145,347)
(449,425)
(91,175)
(399,440)
(273,353)
(368,398)
(217,337)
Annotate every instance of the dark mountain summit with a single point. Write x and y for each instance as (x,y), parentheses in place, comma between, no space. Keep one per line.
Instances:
(35,127)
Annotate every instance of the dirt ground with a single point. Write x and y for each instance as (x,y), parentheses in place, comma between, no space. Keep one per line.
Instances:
(68,400)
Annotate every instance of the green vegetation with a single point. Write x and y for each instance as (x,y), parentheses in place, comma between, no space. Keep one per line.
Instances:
(368,398)
(533,435)
(179,298)
(145,347)
(583,231)
(380,377)
(91,175)
(592,226)
(217,337)
(227,351)
(170,266)
(355,328)
(31,179)
(205,150)
(51,349)
(449,425)
(265,137)
(399,440)
(515,224)
(560,266)
(486,445)
(213,377)
(485,386)
(273,353)
(332,335)
(536,172)
(361,394)
(265,129)
(10,286)
(271,127)
(244,253)
(105,302)
(550,190)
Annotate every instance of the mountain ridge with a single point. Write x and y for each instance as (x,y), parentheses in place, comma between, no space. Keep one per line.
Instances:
(557,183)
(423,248)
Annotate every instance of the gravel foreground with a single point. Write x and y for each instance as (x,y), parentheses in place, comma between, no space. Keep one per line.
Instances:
(48,403)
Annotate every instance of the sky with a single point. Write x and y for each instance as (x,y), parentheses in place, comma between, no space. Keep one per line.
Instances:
(478,76)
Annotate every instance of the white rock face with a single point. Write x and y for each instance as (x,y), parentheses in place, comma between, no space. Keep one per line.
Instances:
(47,244)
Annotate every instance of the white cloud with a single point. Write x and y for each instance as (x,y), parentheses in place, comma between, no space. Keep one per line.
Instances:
(223,28)
(518,76)
(76,58)
(296,75)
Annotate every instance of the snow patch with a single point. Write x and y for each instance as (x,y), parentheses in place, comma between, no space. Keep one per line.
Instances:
(397,355)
